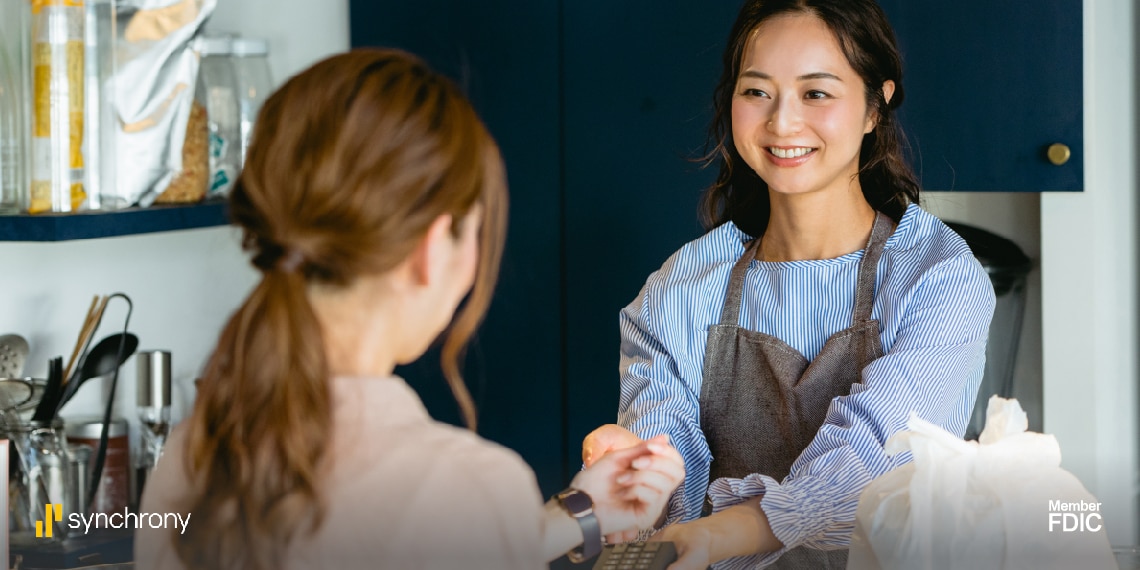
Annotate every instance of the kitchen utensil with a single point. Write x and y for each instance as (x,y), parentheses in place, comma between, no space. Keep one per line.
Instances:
(13,353)
(101,451)
(104,358)
(45,409)
(15,393)
(90,323)
(36,385)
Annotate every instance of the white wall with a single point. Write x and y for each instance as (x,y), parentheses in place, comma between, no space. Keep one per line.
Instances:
(182,285)
(300,32)
(1089,276)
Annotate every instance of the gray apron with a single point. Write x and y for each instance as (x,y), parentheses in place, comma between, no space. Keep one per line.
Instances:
(762,402)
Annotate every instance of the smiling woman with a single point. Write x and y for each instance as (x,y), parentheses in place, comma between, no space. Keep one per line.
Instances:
(784,347)
(819,67)
(785,116)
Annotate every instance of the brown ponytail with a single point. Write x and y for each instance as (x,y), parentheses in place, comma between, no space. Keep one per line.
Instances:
(350,163)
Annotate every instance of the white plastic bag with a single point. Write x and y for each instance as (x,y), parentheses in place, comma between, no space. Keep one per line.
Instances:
(1000,503)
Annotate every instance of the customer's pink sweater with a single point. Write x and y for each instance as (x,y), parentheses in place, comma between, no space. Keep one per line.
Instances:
(403,492)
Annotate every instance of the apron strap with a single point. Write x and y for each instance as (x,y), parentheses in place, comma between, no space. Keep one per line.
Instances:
(868,267)
(730,315)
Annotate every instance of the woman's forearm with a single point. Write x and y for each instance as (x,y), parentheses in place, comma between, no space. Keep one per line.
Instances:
(561,532)
(740,530)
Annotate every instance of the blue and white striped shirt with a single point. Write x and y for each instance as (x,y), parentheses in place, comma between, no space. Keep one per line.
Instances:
(934,304)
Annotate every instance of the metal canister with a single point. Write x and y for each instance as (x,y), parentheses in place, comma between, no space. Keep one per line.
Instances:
(113,488)
(153,399)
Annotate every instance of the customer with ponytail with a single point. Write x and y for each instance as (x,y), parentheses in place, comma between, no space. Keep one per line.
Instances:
(374,202)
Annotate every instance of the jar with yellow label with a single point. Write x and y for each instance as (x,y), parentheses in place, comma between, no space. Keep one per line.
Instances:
(58,53)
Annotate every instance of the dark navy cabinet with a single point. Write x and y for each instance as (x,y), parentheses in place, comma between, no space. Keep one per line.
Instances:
(600,107)
(504,54)
(990,86)
(639,77)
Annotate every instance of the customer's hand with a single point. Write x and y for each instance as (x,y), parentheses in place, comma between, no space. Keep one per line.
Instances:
(604,440)
(693,542)
(630,487)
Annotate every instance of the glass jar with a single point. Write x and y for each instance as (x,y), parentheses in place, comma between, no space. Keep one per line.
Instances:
(254,81)
(38,475)
(13,181)
(100,123)
(217,92)
(58,53)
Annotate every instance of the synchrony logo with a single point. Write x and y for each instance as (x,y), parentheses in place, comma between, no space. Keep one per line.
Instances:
(125,519)
(52,512)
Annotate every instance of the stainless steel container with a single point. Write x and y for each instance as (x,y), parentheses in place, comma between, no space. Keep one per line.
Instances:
(113,488)
(153,380)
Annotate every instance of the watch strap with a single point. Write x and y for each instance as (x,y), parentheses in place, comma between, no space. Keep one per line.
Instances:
(581,507)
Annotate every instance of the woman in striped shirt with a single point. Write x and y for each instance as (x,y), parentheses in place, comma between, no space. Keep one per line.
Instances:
(780,350)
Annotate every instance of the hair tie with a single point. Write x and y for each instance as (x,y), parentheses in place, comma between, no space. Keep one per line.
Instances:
(291,261)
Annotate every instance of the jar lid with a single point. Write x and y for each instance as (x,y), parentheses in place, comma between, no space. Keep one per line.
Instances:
(25,426)
(250,46)
(92,428)
(219,44)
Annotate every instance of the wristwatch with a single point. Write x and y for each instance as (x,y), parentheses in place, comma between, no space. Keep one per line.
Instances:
(581,507)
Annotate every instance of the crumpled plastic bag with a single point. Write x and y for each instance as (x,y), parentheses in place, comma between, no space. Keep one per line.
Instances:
(1000,503)
(155,79)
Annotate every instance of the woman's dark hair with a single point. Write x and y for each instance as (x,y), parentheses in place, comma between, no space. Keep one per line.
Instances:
(351,162)
(868,42)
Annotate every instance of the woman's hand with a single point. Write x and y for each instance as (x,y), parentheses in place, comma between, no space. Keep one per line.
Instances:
(630,487)
(604,440)
(693,542)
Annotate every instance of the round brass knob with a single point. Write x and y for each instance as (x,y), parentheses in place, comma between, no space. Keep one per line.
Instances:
(1059,154)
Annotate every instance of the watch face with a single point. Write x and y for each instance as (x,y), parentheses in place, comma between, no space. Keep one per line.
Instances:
(576,502)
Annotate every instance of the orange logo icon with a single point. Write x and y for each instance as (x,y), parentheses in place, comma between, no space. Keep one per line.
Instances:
(51,512)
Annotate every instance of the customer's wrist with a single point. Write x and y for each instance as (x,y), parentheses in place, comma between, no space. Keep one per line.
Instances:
(580,507)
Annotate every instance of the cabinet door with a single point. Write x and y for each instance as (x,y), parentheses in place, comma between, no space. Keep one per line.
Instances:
(990,85)
(504,55)
(639,77)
